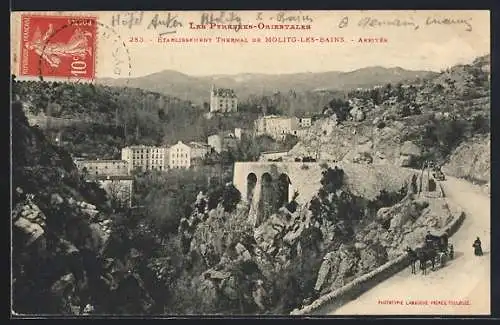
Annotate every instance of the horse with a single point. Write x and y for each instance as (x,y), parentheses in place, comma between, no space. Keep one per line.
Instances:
(442,258)
(425,255)
(412,255)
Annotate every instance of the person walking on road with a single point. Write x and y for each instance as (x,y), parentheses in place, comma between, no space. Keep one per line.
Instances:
(478,251)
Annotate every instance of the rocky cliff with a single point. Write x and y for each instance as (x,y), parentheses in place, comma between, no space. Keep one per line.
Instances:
(434,117)
(472,161)
(61,229)
(294,256)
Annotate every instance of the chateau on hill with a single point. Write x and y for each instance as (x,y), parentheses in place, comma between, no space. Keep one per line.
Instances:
(223,100)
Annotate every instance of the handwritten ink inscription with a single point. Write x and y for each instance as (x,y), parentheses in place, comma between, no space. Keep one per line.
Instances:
(128,19)
(450,21)
(220,18)
(373,22)
(169,22)
(283,17)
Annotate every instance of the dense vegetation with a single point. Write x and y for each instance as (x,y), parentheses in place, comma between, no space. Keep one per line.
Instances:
(109,118)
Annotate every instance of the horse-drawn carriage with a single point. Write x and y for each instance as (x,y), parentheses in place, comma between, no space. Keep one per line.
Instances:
(435,249)
(438,174)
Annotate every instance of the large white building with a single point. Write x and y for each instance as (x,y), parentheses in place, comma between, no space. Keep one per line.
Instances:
(223,100)
(102,167)
(145,157)
(276,127)
(182,155)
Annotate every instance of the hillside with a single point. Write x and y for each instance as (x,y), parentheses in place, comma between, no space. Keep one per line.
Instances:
(179,85)
(436,116)
(105,119)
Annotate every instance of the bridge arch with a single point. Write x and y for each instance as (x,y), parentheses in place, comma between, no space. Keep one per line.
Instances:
(267,197)
(432,185)
(283,187)
(251,184)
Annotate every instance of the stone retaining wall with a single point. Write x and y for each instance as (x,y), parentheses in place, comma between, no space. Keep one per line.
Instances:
(367,281)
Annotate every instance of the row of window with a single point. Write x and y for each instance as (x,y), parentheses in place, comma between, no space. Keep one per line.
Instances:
(148,150)
(106,167)
(144,162)
(146,157)
(179,162)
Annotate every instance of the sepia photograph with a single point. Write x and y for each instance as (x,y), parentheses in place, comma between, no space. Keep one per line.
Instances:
(291,163)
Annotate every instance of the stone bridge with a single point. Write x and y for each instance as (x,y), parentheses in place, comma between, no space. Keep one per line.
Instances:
(249,177)
(273,184)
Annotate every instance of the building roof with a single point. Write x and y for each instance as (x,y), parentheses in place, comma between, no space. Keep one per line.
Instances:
(304,115)
(101,161)
(142,146)
(274,151)
(198,145)
(113,178)
(224,92)
(278,117)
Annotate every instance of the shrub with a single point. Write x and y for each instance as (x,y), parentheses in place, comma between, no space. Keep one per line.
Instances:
(230,198)
(332,179)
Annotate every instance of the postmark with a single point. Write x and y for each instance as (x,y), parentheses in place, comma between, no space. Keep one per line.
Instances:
(119,55)
(58,46)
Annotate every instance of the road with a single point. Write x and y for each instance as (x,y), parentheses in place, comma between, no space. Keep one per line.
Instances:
(465,279)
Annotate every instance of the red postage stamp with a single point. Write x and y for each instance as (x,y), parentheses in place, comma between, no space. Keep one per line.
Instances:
(58,46)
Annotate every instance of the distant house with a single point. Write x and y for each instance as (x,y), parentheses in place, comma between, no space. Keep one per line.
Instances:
(179,156)
(273,155)
(102,167)
(223,100)
(225,140)
(183,155)
(145,157)
(199,149)
(276,127)
(305,121)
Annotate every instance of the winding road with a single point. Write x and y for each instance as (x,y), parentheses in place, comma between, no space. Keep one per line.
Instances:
(462,287)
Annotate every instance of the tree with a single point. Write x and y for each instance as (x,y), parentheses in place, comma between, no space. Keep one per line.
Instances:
(230,198)
(332,179)
(120,192)
(340,108)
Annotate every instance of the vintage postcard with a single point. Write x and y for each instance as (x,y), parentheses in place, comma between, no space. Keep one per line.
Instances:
(250,162)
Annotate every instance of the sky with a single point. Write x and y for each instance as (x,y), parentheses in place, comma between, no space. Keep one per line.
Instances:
(424,40)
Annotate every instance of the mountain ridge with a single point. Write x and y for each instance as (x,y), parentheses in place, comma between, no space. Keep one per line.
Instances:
(196,88)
